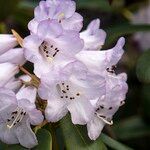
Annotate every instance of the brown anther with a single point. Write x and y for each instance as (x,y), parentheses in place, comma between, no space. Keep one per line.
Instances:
(78,94)
(110,108)
(102,107)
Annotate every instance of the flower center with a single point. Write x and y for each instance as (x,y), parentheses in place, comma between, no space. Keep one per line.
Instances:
(67,93)
(61,17)
(49,51)
(16,117)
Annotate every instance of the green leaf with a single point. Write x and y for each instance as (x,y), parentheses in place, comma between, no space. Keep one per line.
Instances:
(113,144)
(45,140)
(11,147)
(145,96)
(131,128)
(143,68)
(113,33)
(75,137)
(27,4)
(8,8)
(103,5)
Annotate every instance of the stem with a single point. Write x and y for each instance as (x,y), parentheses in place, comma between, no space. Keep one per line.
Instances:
(18,37)
(25,71)
(40,126)
(29,74)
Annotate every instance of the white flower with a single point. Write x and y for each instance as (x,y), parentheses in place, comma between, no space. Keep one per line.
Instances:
(69,93)
(7,41)
(93,37)
(107,105)
(17,112)
(8,71)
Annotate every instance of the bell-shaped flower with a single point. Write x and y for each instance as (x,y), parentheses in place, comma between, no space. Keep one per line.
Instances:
(8,72)
(8,52)
(14,56)
(93,36)
(72,93)
(17,112)
(107,105)
(10,58)
(100,61)
(13,84)
(63,11)
(51,46)
(7,41)
(16,83)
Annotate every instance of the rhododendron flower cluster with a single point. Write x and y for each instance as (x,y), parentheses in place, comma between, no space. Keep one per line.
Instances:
(71,75)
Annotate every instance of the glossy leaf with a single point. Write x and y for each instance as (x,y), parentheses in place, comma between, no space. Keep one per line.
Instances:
(113,144)
(143,68)
(45,140)
(7,8)
(103,5)
(113,33)
(131,128)
(145,96)
(75,137)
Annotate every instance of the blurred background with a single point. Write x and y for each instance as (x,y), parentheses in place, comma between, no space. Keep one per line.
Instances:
(118,18)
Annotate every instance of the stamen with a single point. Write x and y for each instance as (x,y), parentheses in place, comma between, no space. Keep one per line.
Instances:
(60,17)
(66,93)
(102,107)
(110,108)
(48,50)
(122,103)
(104,120)
(18,118)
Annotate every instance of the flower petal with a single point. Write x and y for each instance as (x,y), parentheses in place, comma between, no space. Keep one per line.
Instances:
(94,128)
(28,93)
(41,67)
(31,45)
(81,111)
(70,43)
(49,29)
(93,37)
(56,110)
(7,135)
(33,26)
(75,22)
(8,71)
(7,41)
(11,55)
(35,116)
(13,84)
(99,61)
(25,135)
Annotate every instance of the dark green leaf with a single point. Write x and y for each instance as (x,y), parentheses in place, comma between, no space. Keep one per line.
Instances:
(113,33)
(11,147)
(143,68)
(94,4)
(114,144)
(7,8)
(27,4)
(145,96)
(45,140)
(75,137)
(131,128)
